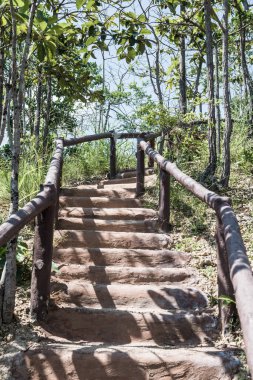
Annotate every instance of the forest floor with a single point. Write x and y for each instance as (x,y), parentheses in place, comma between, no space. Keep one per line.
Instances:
(193,231)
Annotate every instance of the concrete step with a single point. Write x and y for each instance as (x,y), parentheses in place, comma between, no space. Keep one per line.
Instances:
(132,173)
(125,275)
(121,257)
(107,225)
(125,297)
(77,362)
(105,239)
(128,182)
(123,327)
(108,213)
(87,192)
(120,181)
(99,202)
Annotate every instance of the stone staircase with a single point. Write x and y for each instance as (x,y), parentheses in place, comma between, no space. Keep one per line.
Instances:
(123,305)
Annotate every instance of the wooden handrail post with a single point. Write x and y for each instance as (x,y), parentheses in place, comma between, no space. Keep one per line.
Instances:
(164,201)
(140,172)
(225,288)
(59,181)
(151,161)
(113,168)
(42,258)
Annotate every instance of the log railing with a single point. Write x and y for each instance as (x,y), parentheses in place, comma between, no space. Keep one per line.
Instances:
(234,272)
(43,208)
(235,279)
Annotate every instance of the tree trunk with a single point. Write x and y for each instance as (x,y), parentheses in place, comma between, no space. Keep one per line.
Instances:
(217,98)
(196,87)
(6,112)
(10,265)
(38,108)
(48,112)
(18,85)
(182,72)
(226,96)
(1,73)
(211,168)
(157,87)
(245,70)
(107,116)
(31,113)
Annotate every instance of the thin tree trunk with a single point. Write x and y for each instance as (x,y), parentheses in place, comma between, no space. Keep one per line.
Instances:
(226,95)
(197,81)
(157,72)
(48,113)
(18,85)
(107,116)
(9,125)
(101,107)
(150,74)
(10,265)
(217,98)
(31,114)
(6,112)
(211,168)
(2,58)
(157,59)
(245,70)
(182,72)
(38,108)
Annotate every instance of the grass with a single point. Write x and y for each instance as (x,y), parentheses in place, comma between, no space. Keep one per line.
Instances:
(92,160)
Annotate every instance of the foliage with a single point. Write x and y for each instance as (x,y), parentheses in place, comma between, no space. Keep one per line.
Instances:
(92,160)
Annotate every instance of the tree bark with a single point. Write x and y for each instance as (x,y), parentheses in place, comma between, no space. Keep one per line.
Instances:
(38,108)
(182,72)
(6,111)
(2,58)
(248,82)
(10,264)
(48,112)
(226,97)
(18,84)
(196,86)
(211,168)
(217,98)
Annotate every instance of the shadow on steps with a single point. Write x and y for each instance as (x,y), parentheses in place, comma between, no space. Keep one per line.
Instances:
(102,363)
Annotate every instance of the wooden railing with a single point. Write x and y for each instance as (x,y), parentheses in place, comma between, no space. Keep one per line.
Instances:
(235,279)
(234,272)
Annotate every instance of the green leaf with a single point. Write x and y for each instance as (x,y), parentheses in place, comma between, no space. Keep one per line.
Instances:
(21,29)
(145,31)
(4,21)
(142,18)
(141,48)
(52,20)
(19,3)
(90,40)
(80,3)
(226,299)
(131,53)
(131,15)
(43,25)
(90,4)
(41,53)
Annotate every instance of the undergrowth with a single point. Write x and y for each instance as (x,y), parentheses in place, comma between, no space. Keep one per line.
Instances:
(89,160)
